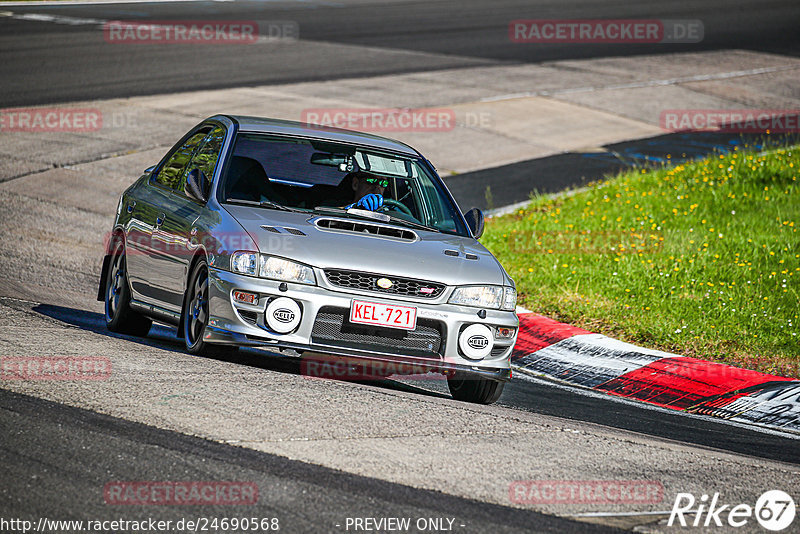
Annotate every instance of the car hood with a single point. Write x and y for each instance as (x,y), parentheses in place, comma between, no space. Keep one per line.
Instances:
(421,258)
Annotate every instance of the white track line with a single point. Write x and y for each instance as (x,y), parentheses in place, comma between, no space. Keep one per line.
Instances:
(625,514)
(99,2)
(55,19)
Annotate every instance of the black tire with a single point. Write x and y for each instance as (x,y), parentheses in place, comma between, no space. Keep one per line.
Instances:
(120,317)
(195,315)
(470,388)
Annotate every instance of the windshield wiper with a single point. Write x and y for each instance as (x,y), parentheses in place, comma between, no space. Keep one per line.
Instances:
(414,224)
(355,212)
(261,203)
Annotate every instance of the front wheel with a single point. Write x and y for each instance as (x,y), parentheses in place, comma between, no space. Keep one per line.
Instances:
(470,388)
(120,317)
(195,315)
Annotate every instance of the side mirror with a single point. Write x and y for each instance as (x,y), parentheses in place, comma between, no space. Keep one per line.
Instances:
(196,185)
(474,218)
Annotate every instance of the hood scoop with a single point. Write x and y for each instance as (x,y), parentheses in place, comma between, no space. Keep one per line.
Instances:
(282,230)
(455,254)
(361,227)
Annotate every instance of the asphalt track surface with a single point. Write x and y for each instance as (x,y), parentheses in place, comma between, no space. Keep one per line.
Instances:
(45,62)
(538,396)
(60,459)
(55,460)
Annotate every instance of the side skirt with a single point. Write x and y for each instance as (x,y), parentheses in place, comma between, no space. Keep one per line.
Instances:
(156,312)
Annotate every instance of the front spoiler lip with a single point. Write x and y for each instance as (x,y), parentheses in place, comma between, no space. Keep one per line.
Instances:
(224,337)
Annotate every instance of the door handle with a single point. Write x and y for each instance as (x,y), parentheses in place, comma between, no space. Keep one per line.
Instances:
(160,220)
(131,205)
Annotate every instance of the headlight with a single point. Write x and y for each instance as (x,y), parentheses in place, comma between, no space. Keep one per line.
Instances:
(509,299)
(493,297)
(286,270)
(478,296)
(254,264)
(244,263)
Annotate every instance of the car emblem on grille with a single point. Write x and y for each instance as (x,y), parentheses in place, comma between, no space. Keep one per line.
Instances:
(384,283)
(427,290)
(283,315)
(477,342)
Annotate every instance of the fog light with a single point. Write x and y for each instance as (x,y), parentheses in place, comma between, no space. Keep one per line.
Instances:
(244,296)
(283,315)
(504,333)
(476,341)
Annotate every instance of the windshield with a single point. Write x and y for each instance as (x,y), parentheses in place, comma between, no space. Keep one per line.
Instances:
(315,174)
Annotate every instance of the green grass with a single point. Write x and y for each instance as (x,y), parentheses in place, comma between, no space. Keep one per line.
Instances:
(701,259)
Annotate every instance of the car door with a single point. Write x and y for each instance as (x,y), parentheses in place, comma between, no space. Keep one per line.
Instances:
(186,219)
(157,217)
(138,229)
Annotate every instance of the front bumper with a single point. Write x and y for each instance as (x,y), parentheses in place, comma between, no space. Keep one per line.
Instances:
(233,322)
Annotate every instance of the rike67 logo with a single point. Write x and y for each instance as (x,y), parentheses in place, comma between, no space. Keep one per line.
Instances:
(774,510)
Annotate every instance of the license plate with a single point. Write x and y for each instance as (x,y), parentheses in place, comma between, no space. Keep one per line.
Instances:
(390,316)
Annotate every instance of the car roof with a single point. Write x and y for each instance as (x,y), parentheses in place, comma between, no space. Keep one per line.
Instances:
(313,131)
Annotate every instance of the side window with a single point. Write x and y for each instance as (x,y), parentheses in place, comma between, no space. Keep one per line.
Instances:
(208,155)
(171,174)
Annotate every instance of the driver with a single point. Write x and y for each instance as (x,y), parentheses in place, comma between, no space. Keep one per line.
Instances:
(368,190)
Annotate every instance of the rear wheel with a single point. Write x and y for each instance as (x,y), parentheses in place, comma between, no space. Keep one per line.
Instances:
(470,388)
(120,317)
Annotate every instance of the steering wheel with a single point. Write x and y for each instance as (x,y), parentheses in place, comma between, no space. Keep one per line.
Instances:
(390,203)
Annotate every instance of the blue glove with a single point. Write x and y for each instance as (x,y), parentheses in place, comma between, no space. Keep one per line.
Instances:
(370,202)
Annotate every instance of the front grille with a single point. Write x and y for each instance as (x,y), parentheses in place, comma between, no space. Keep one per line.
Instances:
(333,327)
(369,282)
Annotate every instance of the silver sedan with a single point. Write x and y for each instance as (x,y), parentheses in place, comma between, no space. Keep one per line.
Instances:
(326,244)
